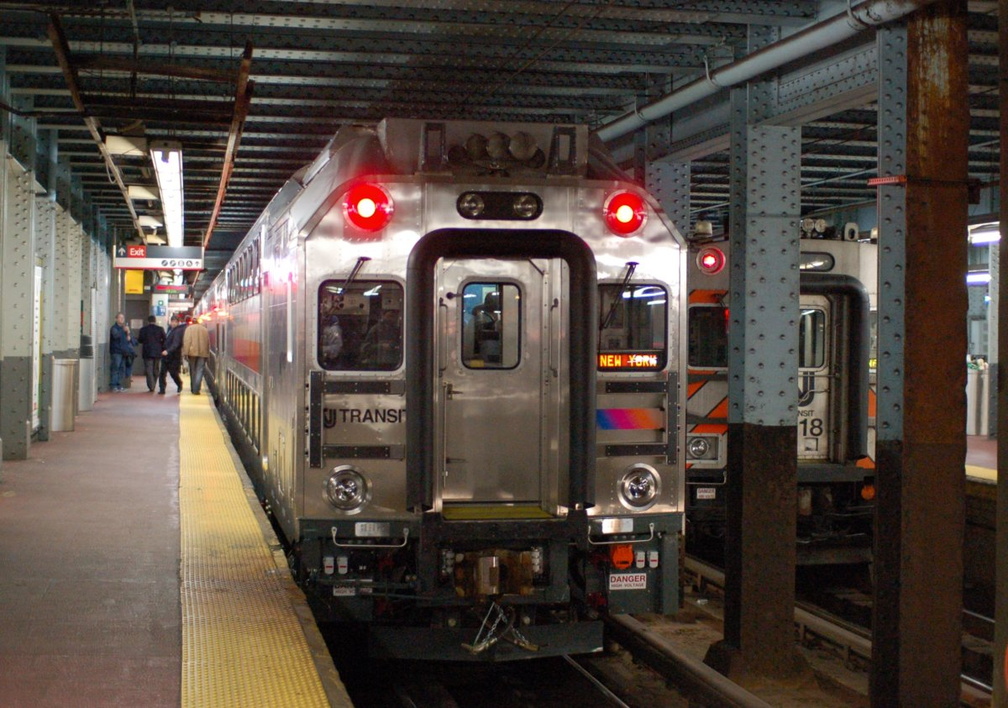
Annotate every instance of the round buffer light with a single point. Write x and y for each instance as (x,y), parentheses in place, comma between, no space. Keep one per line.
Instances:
(347,489)
(624,212)
(639,487)
(470,205)
(368,207)
(711,260)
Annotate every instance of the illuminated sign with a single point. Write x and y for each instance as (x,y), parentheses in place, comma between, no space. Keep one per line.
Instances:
(628,360)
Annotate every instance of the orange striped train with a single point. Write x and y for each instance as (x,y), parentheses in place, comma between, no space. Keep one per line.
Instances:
(835,425)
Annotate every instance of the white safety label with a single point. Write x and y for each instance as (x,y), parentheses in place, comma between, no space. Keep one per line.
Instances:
(371,529)
(706,493)
(343,591)
(628,581)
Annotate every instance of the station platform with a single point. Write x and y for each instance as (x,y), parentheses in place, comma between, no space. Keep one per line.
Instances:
(139,569)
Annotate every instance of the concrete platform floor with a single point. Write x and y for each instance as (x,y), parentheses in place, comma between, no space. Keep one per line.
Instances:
(89,578)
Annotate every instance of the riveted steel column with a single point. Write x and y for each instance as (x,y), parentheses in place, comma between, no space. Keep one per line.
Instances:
(17,268)
(763,395)
(69,235)
(45,246)
(921,443)
(103,307)
(1001,578)
(670,183)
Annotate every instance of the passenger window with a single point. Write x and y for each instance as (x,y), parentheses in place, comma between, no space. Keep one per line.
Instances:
(491,325)
(811,339)
(360,325)
(708,336)
(633,327)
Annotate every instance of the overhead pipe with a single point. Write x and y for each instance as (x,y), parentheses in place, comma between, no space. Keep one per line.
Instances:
(845,25)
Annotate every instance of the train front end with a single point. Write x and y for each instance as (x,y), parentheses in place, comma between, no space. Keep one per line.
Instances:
(493,344)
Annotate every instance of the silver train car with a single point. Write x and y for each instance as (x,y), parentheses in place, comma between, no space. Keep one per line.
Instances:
(451,355)
(836,400)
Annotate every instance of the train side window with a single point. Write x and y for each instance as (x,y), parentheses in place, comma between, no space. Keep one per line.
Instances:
(360,325)
(811,339)
(491,325)
(708,336)
(633,327)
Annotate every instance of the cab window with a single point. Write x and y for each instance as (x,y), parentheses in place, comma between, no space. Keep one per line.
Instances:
(360,325)
(491,325)
(633,329)
(708,336)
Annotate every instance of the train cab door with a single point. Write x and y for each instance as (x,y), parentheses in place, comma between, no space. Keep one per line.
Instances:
(499,393)
(815,423)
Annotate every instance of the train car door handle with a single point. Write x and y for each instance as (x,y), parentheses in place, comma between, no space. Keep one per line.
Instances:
(450,391)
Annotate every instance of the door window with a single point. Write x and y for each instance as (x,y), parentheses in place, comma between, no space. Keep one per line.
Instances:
(491,325)
(812,339)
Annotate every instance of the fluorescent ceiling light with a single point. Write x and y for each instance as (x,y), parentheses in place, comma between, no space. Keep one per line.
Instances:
(985,233)
(167,160)
(151,222)
(979,277)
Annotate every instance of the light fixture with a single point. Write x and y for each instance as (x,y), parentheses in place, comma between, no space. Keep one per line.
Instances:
(150,222)
(126,145)
(978,277)
(985,233)
(140,193)
(167,159)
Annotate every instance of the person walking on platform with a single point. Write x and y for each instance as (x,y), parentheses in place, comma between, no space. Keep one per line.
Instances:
(128,356)
(152,339)
(119,348)
(171,360)
(196,348)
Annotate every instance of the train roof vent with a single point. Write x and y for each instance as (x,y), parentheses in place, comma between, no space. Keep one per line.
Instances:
(484,148)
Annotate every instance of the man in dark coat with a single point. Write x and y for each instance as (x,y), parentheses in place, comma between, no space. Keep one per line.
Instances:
(172,355)
(152,339)
(119,347)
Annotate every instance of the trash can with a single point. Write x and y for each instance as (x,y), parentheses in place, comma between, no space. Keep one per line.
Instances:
(87,392)
(64,398)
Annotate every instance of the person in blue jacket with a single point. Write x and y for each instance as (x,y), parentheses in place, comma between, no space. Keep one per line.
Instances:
(120,347)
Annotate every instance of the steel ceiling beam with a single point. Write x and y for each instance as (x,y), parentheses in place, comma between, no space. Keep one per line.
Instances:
(243,98)
(813,39)
(62,49)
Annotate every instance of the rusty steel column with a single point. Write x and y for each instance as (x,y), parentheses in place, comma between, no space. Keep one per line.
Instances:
(761,489)
(1001,577)
(921,444)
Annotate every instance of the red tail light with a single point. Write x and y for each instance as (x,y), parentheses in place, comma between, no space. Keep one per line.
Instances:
(711,260)
(368,207)
(624,213)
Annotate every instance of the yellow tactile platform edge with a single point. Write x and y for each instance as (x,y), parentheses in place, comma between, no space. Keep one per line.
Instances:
(242,644)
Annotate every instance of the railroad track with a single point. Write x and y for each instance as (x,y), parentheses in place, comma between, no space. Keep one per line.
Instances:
(852,640)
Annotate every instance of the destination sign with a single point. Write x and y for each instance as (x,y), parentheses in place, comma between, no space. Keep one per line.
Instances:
(628,360)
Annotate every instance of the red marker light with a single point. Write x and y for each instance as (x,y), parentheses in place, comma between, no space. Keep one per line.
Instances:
(368,207)
(711,260)
(624,213)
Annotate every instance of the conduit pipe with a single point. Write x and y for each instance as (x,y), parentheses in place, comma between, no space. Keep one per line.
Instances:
(814,38)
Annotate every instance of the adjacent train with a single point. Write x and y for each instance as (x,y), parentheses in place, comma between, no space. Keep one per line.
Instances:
(452,357)
(836,471)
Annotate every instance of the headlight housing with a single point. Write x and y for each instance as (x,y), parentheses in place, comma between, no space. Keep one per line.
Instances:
(639,487)
(347,489)
(701,448)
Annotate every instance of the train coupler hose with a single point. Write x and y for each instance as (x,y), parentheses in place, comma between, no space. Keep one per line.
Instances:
(491,631)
